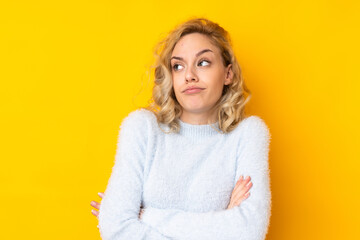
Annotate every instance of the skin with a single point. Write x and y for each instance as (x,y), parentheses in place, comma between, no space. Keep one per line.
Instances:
(195,61)
(191,66)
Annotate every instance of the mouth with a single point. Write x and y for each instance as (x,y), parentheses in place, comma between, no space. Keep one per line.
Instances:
(193,90)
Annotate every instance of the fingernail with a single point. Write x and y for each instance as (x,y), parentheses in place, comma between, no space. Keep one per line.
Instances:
(100,194)
(92,211)
(248,177)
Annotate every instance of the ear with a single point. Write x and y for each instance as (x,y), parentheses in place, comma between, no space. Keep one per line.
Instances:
(229,75)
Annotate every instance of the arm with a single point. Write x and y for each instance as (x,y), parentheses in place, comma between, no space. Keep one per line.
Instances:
(250,220)
(120,206)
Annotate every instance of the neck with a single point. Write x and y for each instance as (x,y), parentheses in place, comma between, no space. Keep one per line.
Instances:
(198,118)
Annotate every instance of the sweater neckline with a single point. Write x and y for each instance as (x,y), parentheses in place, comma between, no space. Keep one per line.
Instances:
(199,131)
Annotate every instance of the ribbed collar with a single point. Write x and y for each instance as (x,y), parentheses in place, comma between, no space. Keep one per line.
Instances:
(199,131)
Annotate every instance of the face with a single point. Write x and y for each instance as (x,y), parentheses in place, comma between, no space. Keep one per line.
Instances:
(197,63)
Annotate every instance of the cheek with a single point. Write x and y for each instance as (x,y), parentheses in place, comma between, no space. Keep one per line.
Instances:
(176,83)
(177,89)
(215,83)
(216,92)
(175,86)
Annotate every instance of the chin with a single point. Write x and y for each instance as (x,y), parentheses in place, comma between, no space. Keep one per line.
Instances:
(195,109)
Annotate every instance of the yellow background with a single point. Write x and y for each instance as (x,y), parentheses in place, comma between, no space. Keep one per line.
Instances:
(70,71)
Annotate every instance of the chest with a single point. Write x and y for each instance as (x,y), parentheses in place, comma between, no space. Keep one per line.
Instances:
(198,180)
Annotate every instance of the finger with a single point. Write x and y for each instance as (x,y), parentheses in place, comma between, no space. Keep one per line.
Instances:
(245,196)
(247,179)
(241,190)
(95,213)
(95,204)
(101,194)
(243,180)
(239,180)
(247,187)
(241,199)
(241,185)
(244,189)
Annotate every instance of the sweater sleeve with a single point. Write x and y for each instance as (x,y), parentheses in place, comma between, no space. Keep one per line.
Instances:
(120,207)
(250,220)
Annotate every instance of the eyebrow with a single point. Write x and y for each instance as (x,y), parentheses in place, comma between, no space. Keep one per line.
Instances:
(198,54)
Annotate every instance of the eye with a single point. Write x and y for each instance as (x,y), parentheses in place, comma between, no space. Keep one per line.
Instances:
(206,61)
(175,67)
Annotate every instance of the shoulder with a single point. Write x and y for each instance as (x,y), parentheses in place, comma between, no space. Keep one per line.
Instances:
(137,127)
(254,127)
(140,122)
(140,118)
(256,123)
(254,142)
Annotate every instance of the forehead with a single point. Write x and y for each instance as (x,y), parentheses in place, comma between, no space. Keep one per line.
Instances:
(192,43)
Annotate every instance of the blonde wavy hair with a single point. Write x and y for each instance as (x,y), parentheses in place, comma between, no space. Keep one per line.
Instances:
(230,106)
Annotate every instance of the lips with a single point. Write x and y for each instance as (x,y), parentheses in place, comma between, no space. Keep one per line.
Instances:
(193,90)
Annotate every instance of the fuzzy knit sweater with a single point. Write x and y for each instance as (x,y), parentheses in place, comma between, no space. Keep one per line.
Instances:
(184,181)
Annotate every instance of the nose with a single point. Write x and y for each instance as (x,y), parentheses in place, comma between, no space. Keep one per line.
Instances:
(190,75)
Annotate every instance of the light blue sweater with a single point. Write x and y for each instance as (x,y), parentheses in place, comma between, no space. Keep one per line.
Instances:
(184,181)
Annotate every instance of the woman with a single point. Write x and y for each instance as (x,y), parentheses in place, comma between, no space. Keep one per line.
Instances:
(180,162)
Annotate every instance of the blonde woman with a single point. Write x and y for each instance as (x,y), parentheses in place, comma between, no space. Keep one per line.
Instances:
(185,164)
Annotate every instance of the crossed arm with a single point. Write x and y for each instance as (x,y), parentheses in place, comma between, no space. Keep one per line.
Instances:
(119,210)
(249,220)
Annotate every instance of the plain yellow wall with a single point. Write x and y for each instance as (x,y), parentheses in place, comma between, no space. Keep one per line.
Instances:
(70,71)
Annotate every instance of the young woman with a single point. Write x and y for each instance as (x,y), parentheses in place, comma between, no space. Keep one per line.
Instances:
(180,163)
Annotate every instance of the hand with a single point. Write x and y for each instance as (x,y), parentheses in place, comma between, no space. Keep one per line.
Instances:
(97,206)
(240,192)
